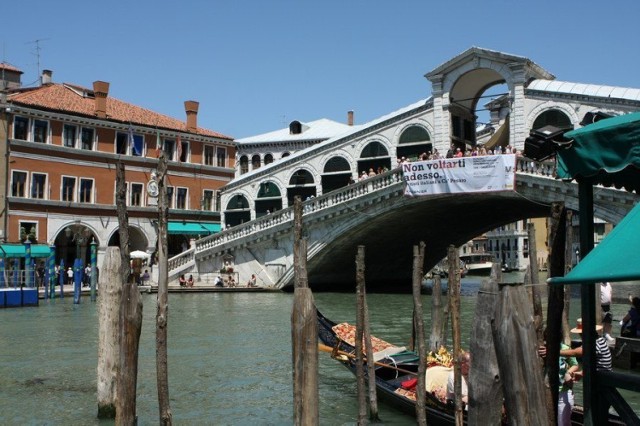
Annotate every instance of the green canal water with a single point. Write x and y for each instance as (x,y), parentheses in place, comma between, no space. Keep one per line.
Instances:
(229,358)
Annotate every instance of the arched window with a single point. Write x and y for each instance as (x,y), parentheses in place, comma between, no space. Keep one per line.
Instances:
(237,202)
(413,142)
(268,159)
(337,174)
(285,154)
(244,164)
(414,134)
(301,177)
(268,189)
(269,199)
(374,150)
(337,164)
(255,162)
(554,118)
(374,157)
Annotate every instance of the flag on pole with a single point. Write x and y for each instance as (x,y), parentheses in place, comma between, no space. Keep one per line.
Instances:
(179,148)
(158,143)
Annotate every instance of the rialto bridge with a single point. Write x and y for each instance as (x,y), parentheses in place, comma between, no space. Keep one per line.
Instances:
(342,212)
(376,213)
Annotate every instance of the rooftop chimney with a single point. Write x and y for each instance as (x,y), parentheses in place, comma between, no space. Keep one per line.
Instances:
(350,118)
(46,77)
(101,91)
(191,108)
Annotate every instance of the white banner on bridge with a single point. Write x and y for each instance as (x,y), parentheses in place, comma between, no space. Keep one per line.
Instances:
(486,173)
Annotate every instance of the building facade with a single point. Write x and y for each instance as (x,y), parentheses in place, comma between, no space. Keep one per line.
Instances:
(62,143)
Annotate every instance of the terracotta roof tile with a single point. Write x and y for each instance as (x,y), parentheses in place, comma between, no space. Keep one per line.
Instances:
(69,98)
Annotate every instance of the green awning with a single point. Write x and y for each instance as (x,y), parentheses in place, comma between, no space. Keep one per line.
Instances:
(607,151)
(614,259)
(193,228)
(17,250)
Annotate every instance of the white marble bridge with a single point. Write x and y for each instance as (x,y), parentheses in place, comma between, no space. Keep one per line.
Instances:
(376,214)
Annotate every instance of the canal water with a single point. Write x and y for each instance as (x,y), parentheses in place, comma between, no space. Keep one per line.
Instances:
(229,358)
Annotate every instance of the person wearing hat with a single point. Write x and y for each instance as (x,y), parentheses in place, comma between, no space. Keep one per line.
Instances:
(604,361)
(605,304)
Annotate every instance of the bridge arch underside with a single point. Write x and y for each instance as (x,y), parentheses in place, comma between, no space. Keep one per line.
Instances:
(389,237)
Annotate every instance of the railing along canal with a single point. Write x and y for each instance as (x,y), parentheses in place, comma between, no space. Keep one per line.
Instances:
(323,202)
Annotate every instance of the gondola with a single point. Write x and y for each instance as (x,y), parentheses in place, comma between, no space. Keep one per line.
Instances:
(399,366)
(402,368)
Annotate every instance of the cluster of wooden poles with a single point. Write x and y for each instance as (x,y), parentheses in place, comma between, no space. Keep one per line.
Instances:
(120,318)
(507,377)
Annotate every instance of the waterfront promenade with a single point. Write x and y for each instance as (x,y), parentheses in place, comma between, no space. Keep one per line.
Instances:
(173,288)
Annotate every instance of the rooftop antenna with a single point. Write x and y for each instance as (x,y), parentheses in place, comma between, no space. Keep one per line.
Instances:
(4,82)
(37,53)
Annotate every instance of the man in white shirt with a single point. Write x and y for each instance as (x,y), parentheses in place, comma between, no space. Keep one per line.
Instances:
(605,304)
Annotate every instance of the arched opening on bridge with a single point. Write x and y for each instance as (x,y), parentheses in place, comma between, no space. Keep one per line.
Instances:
(269,199)
(374,156)
(268,159)
(413,142)
(553,117)
(285,154)
(302,184)
(336,174)
(237,211)
(472,125)
(244,164)
(492,125)
(255,162)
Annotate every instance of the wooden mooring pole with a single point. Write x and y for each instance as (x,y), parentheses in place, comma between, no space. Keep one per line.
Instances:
(162,299)
(532,280)
(304,333)
(108,332)
(556,301)
(363,327)
(568,255)
(418,322)
(485,383)
(454,304)
(130,322)
(517,353)
(437,324)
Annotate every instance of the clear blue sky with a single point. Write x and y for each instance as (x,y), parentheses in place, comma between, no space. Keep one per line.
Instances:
(256,65)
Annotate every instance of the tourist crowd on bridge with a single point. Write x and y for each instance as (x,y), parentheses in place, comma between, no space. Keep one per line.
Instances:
(453,152)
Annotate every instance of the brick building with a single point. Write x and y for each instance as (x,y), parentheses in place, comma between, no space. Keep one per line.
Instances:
(60,146)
